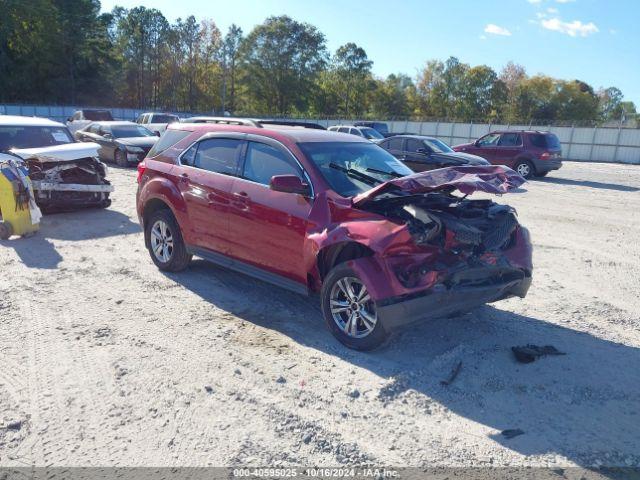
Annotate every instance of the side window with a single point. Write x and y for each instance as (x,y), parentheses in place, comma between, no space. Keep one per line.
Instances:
(189,156)
(77,116)
(395,143)
(413,145)
(93,128)
(356,132)
(384,144)
(489,140)
(139,119)
(218,155)
(343,130)
(510,140)
(264,161)
(104,130)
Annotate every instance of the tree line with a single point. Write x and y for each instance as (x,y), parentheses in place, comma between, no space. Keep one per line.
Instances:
(69,52)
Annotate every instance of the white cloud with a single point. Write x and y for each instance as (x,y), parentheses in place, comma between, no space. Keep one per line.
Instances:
(565,1)
(534,1)
(483,37)
(496,30)
(573,29)
(552,10)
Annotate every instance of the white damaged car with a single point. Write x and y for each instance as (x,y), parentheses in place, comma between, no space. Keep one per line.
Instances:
(66,175)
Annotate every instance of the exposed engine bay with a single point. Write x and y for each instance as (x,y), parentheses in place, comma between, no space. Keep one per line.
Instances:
(452,222)
(69,184)
(67,177)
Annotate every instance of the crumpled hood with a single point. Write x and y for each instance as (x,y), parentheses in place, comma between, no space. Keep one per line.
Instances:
(497,179)
(68,151)
(144,142)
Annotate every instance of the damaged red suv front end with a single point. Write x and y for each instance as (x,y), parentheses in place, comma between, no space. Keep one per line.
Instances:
(449,253)
(317,211)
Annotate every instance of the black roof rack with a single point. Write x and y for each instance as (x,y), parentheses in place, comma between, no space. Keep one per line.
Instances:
(291,123)
(250,122)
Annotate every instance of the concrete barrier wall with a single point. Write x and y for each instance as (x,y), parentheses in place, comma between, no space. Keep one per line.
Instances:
(596,144)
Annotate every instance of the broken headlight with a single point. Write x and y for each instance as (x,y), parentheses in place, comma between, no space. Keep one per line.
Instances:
(424,227)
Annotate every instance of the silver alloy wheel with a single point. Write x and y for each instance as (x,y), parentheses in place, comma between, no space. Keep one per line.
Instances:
(352,308)
(162,241)
(524,169)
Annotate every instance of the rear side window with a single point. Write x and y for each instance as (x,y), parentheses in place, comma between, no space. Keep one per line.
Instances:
(263,162)
(343,130)
(395,144)
(510,140)
(219,155)
(168,139)
(542,140)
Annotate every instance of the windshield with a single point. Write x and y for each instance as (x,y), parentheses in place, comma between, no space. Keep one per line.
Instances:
(351,168)
(164,119)
(128,131)
(32,137)
(438,146)
(371,134)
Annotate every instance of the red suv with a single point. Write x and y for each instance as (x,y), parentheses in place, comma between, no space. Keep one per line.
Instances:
(326,212)
(530,153)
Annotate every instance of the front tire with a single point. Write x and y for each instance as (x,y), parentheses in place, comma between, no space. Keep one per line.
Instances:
(120,158)
(164,242)
(349,311)
(525,168)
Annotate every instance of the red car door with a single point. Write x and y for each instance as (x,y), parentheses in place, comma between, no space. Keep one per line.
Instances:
(205,177)
(507,149)
(267,228)
(485,147)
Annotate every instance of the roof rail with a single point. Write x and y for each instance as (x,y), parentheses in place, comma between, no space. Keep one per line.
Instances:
(222,120)
(291,123)
(250,122)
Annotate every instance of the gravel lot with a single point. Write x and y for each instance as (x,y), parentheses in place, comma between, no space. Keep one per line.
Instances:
(104,360)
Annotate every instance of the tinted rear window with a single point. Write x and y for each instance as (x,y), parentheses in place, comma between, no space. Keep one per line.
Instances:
(164,119)
(545,140)
(98,115)
(168,139)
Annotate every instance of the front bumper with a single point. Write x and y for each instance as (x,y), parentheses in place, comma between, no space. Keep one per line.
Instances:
(443,301)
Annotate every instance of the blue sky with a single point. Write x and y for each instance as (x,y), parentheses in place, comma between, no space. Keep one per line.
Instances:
(597,41)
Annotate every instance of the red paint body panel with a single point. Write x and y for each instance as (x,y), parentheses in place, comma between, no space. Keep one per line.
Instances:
(283,233)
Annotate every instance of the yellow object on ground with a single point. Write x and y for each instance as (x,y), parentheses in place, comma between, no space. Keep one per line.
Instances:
(19,215)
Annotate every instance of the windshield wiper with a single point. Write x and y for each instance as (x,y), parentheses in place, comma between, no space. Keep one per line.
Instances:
(384,172)
(358,175)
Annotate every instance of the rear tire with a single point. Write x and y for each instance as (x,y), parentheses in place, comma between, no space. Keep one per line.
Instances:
(120,158)
(525,168)
(164,241)
(349,312)
(6,230)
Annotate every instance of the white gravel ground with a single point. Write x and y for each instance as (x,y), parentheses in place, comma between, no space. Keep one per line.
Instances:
(104,360)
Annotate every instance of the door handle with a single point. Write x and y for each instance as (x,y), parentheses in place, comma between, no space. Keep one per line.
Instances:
(243,195)
(184,178)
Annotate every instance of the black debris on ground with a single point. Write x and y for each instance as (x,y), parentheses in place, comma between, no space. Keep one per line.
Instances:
(529,353)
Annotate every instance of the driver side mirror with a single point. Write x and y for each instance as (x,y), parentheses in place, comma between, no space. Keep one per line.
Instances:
(422,151)
(477,143)
(289,184)
(157,133)
(108,136)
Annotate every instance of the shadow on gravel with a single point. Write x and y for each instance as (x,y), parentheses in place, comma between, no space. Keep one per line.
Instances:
(584,406)
(588,183)
(38,251)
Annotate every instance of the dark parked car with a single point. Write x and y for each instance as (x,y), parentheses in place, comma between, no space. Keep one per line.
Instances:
(530,153)
(120,142)
(318,211)
(422,153)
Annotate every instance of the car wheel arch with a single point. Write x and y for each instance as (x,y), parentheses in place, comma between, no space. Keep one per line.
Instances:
(331,255)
